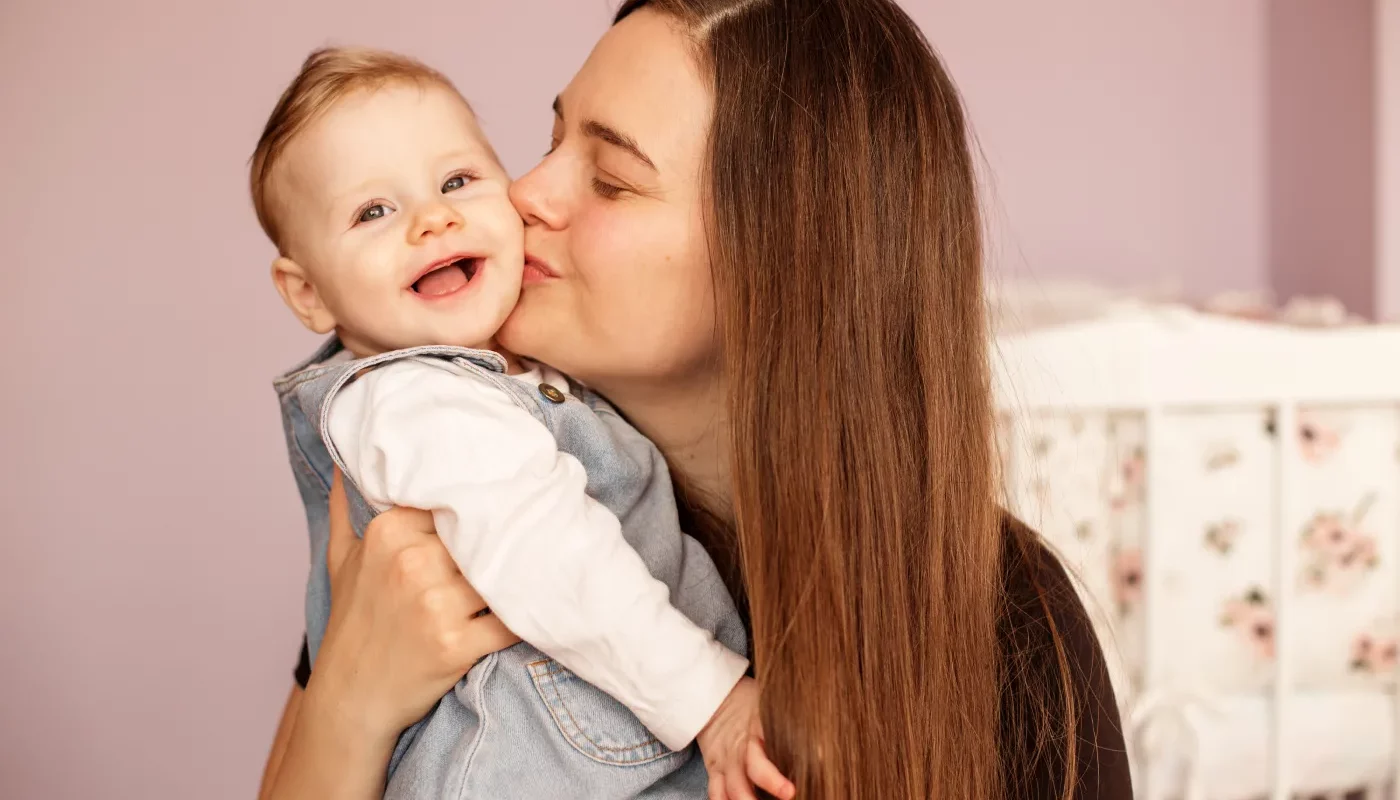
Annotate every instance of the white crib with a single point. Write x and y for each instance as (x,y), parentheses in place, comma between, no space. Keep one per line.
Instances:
(1228,492)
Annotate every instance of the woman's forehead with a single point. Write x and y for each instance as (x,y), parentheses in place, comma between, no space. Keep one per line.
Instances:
(641,79)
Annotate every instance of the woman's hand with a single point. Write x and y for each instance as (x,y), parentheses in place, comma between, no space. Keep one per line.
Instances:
(405,626)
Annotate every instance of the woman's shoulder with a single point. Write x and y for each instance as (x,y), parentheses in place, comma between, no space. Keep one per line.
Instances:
(1056,683)
(1034,578)
(1041,606)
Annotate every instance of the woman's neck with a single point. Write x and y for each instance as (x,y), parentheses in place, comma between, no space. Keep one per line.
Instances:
(688,424)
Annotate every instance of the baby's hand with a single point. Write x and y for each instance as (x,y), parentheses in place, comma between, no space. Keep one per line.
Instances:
(732,745)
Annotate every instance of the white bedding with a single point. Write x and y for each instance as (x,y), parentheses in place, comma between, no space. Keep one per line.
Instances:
(1342,743)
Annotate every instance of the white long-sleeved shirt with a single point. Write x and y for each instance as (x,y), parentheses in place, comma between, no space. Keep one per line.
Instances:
(549,560)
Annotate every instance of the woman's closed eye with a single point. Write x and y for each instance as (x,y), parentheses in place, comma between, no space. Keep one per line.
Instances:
(607,190)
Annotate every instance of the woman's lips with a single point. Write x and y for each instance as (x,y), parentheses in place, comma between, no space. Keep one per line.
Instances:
(537,271)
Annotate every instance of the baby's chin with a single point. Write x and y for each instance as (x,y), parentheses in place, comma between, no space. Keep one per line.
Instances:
(472,338)
(435,333)
(471,320)
(362,348)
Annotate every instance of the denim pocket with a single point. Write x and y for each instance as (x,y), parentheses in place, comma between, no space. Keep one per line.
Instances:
(592,721)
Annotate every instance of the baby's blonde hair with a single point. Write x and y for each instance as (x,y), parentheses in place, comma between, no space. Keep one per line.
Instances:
(327,76)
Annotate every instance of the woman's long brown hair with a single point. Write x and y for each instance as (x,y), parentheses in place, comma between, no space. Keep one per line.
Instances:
(847,258)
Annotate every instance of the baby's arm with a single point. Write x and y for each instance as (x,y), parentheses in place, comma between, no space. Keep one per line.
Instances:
(549,560)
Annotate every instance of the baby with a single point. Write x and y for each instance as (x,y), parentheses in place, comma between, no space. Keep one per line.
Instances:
(395,233)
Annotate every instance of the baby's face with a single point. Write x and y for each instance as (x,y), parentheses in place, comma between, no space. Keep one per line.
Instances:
(396,211)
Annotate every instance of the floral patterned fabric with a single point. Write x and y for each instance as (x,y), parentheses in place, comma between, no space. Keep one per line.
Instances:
(1081,479)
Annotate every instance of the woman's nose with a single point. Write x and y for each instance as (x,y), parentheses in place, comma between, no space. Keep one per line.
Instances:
(537,195)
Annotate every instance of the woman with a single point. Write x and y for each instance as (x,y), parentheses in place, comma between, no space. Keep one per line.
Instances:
(757,234)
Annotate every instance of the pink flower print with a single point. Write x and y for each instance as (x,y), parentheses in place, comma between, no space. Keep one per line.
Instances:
(1329,536)
(1132,471)
(1316,440)
(1374,654)
(1337,555)
(1135,468)
(1362,554)
(1221,536)
(1252,617)
(1127,579)
(1314,575)
(1222,455)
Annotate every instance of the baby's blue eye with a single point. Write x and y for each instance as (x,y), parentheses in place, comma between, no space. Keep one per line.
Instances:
(374,212)
(454,183)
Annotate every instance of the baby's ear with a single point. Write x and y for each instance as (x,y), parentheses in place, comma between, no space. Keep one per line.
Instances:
(301,296)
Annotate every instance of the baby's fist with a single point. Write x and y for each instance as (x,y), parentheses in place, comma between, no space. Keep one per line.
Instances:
(732,746)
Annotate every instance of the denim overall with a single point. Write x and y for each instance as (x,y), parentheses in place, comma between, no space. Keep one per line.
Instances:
(519,724)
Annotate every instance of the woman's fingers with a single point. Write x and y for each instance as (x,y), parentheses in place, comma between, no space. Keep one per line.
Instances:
(401,546)
(485,635)
(404,541)
(475,605)
(398,527)
(470,602)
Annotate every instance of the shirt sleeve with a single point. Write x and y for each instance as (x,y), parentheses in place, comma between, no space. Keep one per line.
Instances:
(549,560)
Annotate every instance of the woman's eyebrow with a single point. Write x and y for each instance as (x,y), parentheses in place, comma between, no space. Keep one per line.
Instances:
(609,135)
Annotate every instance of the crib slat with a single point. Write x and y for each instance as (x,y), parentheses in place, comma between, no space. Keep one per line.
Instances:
(1395,735)
(1286,520)
(1154,610)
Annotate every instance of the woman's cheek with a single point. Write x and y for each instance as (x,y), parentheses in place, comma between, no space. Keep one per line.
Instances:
(608,239)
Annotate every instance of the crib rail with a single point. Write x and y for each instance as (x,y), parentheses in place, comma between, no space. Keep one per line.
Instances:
(1155,364)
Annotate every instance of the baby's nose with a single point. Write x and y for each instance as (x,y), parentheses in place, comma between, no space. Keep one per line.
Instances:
(436,219)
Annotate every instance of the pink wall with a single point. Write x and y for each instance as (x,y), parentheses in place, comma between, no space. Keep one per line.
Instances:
(1124,139)
(1321,150)
(1387,45)
(152,556)
(153,550)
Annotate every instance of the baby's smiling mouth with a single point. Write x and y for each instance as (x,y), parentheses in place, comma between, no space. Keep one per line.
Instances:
(448,278)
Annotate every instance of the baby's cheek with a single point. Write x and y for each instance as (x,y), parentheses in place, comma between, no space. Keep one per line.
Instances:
(507,237)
